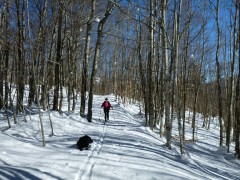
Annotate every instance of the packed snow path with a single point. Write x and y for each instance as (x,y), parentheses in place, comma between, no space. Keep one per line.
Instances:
(124,148)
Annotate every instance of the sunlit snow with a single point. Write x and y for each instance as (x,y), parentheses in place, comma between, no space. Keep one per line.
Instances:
(124,148)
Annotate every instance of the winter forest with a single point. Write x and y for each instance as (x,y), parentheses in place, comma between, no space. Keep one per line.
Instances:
(168,56)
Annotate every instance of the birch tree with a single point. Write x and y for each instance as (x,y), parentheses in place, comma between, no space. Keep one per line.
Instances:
(166,85)
(150,89)
(176,49)
(218,77)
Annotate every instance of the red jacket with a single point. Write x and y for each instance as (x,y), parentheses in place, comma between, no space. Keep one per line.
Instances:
(105,106)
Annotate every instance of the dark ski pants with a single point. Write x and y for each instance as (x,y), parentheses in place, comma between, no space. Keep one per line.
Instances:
(106,112)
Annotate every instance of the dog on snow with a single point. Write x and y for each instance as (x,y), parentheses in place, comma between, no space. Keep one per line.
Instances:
(84,142)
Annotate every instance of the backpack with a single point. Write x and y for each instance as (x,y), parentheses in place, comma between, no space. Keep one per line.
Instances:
(106,105)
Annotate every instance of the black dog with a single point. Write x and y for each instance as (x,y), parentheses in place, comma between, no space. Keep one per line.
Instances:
(84,142)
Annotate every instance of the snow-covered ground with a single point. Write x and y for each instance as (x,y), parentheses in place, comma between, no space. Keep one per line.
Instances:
(123,149)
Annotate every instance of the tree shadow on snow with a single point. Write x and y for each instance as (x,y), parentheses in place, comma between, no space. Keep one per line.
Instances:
(23,173)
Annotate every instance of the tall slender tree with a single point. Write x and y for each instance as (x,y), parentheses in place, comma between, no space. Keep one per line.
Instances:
(166,79)
(1,59)
(151,57)
(237,112)
(21,62)
(7,51)
(176,49)
(58,57)
(231,86)
(219,74)
(86,58)
(108,12)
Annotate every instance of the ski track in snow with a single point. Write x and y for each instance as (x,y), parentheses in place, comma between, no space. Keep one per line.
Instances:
(85,171)
(123,148)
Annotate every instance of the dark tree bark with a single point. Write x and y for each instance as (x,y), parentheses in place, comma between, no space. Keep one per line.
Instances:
(237,112)
(86,59)
(42,79)
(1,61)
(150,68)
(21,63)
(58,58)
(143,79)
(109,9)
(231,89)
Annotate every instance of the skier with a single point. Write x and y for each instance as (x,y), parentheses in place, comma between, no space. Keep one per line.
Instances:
(106,107)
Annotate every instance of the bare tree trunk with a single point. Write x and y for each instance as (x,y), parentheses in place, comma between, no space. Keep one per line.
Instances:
(20,87)
(143,80)
(168,123)
(184,76)
(1,61)
(176,89)
(194,113)
(69,69)
(61,84)
(205,109)
(237,112)
(86,59)
(150,68)
(184,81)
(109,9)
(74,84)
(161,103)
(14,68)
(38,105)
(42,78)
(231,90)
(1,81)
(219,76)
(58,58)
(50,64)
(7,49)
(159,84)
(115,84)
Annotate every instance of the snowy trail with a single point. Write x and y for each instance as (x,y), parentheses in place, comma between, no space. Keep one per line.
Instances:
(87,166)
(122,149)
(114,142)
(99,150)
(126,142)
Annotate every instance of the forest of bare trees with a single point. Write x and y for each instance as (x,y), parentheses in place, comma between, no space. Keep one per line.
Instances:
(170,56)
